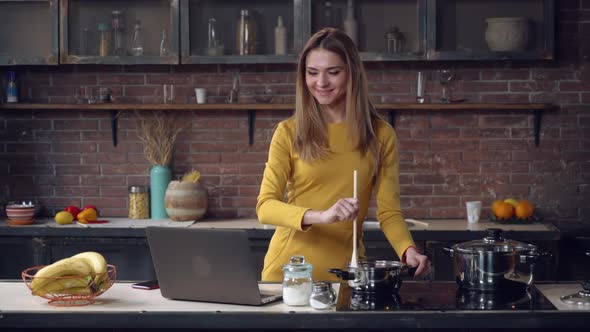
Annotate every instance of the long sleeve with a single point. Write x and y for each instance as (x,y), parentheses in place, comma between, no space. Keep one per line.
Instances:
(387,194)
(270,206)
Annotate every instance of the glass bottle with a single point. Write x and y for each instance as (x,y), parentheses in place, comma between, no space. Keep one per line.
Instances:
(350,25)
(164,44)
(280,37)
(322,296)
(328,21)
(104,47)
(246,33)
(395,40)
(297,282)
(11,88)
(137,43)
(118,27)
(85,42)
(214,47)
(139,202)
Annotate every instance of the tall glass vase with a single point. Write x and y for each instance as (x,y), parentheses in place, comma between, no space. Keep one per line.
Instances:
(160,176)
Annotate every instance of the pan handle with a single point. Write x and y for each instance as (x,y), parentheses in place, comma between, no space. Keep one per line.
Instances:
(344,275)
(408,271)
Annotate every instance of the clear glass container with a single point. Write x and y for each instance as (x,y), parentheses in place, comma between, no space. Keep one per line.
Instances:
(322,296)
(214,46)
(118,25)
(395,40)
(139,202)
(104,46)
(297,281)
(164,44)
(246,33)
(137,42)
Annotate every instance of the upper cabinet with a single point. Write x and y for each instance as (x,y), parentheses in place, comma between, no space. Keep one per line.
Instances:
(270,31)
(243,31)
(490,29)
(30,32)
(119,31)
(382,29)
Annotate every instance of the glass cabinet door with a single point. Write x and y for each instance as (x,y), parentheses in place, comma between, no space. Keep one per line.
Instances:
(30,32)
(243,31)
(382,29)
(490,29)
(119,31)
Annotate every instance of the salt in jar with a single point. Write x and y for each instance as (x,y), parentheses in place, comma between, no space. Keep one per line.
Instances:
(322,296)
(297,282)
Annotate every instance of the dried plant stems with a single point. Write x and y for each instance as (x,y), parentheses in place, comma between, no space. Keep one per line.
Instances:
(158,131)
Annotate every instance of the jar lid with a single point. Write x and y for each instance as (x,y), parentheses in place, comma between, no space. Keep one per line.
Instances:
(394,33)
(494,242)
(138,189)
(297,264)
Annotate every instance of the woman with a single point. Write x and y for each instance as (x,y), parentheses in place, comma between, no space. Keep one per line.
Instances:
(334,131)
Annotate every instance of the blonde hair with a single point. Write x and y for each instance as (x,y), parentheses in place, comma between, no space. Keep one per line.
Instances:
(311,139)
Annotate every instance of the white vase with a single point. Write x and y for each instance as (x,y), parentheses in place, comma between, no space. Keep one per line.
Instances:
(280,37)
(505,34)
(350,25)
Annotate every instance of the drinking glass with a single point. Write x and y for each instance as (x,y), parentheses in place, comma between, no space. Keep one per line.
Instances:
(445,77)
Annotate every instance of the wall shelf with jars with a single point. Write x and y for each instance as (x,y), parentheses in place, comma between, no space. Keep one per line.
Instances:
(251,31)
(119,32)
(490,29)
(34,21)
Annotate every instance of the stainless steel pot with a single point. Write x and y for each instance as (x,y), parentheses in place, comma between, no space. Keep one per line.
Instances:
(375,276)
(494,263)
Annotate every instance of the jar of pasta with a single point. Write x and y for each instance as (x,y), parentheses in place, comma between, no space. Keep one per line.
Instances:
(139,202)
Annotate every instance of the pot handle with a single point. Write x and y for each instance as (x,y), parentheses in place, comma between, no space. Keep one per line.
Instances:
(535,257)
(408,271)
(448,251)
(344,275)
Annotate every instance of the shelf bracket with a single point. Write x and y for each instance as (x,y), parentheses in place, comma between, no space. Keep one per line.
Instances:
(251,118)
(538,116)
(391,117)
(115,125)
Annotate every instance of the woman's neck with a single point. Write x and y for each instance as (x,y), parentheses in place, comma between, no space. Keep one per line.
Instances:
(335,113)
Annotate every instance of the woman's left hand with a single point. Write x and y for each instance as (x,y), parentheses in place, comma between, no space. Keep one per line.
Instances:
(419,261)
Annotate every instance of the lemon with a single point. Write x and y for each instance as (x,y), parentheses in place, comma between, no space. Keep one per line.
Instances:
(511,201)
(64,218)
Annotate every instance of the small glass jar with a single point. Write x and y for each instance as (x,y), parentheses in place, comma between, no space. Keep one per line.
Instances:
(297,282)
(139,202)
(395,41)
(104,46)
(322,296)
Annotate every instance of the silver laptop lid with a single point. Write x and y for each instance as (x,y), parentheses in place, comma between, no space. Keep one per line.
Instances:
(209,265)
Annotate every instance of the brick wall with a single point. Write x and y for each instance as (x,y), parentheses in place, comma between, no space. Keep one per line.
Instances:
(67,157)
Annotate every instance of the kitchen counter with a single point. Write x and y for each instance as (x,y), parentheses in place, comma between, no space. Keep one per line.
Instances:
(125,307)
(432,230)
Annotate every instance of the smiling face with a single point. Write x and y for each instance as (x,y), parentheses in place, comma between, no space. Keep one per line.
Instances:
(326,78)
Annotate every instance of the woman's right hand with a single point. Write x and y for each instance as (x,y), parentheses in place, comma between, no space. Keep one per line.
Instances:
(343,210)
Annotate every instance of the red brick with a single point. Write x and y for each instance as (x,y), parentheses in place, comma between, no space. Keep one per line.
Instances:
(108,202)
(74,79)
(107,180)
(63,180)
(504,75)
(76,191)
(108,169)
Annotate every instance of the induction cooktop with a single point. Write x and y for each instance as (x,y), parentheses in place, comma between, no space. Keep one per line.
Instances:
(440,296)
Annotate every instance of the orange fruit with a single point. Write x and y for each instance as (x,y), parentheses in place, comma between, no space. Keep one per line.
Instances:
(504,211)
(524,209)
(495,205)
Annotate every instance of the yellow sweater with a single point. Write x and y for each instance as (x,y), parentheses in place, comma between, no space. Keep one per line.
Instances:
(318,186)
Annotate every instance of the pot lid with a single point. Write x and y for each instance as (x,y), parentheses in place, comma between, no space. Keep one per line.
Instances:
(297,264)
(494,242)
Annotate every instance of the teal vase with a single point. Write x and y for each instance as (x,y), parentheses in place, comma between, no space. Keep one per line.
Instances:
(160,176)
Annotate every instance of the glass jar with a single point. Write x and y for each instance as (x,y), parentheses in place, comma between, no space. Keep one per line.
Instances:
(395,40)
(118,27)
(297,282)
(139,202)
(104,47)
(322,296)
(246,33)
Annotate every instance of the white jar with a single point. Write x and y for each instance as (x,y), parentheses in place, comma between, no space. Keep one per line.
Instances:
(505,34)
(297,282)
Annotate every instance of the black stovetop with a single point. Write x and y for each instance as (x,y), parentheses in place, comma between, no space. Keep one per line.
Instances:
(440,296)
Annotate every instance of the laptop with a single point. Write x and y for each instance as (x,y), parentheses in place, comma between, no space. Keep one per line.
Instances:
(207,265)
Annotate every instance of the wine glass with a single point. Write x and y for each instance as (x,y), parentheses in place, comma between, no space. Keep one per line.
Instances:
(445,77)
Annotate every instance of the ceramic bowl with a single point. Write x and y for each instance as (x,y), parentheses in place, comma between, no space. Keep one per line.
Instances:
(20,213)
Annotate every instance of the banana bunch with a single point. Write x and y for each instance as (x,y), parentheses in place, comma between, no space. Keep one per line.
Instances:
(89,267)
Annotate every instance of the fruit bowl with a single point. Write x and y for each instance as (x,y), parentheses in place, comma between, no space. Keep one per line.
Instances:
(72,290)
(534,219)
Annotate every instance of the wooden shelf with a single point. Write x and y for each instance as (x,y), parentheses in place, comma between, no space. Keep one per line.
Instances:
(115,108)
